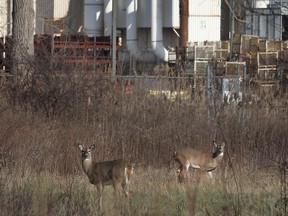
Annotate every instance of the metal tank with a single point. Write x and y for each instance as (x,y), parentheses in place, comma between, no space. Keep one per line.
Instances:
(170,13)
(93,17)
(147,25)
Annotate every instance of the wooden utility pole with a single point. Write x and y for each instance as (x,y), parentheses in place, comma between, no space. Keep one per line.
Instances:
(184,14)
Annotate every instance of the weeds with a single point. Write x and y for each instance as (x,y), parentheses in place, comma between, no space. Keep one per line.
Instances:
(40,165)
(46,194)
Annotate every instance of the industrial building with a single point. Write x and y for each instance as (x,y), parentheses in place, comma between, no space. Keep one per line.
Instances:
(154,32)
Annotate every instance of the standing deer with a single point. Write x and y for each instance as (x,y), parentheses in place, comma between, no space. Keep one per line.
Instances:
(115,172)
(187,157)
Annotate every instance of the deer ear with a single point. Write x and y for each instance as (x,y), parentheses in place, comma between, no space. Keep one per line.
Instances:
(80,147)
(215,144)
(91,147)
(223,145)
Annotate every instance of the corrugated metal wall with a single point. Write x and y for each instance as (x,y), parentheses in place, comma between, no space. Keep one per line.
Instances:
(204,20)
(264,24)
(205,7)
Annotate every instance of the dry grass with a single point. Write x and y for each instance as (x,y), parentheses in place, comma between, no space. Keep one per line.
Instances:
(41,174)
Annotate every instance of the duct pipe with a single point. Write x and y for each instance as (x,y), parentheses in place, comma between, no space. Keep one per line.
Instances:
(107,17)
(156,30)
(93,18)
(131,31)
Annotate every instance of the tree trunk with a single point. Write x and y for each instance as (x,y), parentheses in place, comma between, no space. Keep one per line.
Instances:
(21,84)
(22,36)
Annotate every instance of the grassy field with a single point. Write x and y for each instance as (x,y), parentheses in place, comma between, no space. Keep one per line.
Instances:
(40,164)
(153,192)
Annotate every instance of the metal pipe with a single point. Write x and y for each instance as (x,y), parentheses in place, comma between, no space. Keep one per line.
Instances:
(156,30)
(108,17)
(114,33)
(131,34)
(231,35)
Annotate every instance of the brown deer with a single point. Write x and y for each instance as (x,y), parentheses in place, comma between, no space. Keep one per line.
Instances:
(115,172)
(187,157)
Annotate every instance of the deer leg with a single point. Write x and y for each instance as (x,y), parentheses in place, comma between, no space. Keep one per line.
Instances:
(182,174)
(185,171)
(117,184)
(100,196)
(185,174)
(116,188)
(211,176)
(125,189)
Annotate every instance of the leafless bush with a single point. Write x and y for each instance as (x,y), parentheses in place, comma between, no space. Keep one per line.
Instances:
(147,131)
(65,104)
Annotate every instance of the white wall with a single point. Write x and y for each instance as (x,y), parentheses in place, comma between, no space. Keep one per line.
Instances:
(204,20)
(203,28)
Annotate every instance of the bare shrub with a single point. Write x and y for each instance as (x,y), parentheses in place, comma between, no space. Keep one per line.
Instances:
(145,130)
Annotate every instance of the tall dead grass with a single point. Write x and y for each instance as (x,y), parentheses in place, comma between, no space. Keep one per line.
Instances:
(146,131)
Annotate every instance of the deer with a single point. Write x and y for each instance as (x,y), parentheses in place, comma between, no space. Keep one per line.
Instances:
(187,157)
(115,172)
